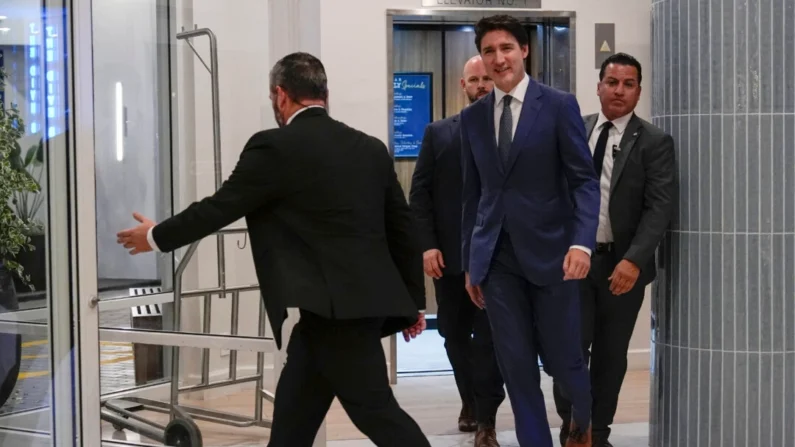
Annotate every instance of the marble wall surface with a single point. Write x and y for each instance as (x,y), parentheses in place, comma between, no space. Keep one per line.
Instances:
(723,84)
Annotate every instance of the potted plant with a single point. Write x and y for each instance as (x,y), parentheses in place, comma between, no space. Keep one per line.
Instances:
(27,205)
(15,230)
(13,237)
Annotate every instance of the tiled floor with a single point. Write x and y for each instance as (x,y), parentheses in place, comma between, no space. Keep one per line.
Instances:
(422,355)
(624,435)
(32,389)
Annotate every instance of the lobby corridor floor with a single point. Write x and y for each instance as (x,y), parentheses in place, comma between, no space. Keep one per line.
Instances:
(624,435)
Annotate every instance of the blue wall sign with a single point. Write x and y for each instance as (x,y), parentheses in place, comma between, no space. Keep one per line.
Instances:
(413,111)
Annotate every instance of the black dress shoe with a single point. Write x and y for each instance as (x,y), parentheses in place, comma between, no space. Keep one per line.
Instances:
(466,420)
(600,438)
(564,434)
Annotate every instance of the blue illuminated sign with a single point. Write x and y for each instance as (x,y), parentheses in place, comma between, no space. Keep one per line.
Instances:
(44,91)
(53,104)
(413,111)
(34,89)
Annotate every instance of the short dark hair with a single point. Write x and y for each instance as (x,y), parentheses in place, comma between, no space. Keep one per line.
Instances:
(621,59)
(301,76)
(504,23)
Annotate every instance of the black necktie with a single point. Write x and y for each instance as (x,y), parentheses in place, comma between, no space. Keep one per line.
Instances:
(506,129)
(599,151)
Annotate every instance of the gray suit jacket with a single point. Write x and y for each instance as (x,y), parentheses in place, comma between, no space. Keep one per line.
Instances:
(643,190)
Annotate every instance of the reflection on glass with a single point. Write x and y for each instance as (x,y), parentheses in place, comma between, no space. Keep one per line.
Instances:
(131,146)
(560,58)
(32,122)
(534,64)
(132,165)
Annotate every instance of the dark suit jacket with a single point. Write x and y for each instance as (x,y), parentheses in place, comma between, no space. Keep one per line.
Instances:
(547,198)
(642,192)
(330,229)
(435,195)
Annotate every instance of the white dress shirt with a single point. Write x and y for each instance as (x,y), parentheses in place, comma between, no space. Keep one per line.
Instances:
(151,239)
(604,233)
(518,94)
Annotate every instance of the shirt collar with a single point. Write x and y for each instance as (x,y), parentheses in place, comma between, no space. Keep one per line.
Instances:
(289,120)
(517,93)
(619,123)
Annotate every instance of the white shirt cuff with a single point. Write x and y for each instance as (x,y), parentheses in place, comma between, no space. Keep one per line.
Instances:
(585,249)
(151,240)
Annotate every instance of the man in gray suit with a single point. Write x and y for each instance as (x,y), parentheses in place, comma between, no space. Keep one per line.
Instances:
(638,186)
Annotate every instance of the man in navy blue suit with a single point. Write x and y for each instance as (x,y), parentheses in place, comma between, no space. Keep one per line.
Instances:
(435,199)
(530,214)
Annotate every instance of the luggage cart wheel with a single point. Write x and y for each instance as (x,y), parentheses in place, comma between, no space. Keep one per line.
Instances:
(183,433)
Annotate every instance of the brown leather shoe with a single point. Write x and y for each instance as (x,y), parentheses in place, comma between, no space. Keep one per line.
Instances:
(466,420)
(579,437)
(486,437)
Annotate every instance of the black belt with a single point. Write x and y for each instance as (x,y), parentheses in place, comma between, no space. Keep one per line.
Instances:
(604,247)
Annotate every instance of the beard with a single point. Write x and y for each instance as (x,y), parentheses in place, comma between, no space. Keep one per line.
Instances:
(279,117)
(480,94)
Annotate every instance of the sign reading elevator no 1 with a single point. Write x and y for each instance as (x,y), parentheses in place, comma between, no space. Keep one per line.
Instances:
(483,3)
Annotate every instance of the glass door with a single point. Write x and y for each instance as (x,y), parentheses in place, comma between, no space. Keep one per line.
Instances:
(184,350)
(46,328)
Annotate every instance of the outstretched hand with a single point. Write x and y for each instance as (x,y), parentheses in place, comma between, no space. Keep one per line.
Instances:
(135,239)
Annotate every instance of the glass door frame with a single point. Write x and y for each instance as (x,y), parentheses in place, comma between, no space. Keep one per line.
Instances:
(83,231)
(71,312)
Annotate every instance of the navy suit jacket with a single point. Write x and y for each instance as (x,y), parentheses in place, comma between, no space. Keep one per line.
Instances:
(547,198)
(435,196)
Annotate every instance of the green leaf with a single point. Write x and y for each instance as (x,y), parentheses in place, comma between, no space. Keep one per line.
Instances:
(16,186)
(29,156)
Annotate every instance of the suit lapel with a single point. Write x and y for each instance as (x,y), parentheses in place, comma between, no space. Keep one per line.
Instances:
(628,141)
(530,107)
(590,123)
(486,130)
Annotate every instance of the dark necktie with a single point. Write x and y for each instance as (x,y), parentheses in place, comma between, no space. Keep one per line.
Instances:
(506,130)
(599,151)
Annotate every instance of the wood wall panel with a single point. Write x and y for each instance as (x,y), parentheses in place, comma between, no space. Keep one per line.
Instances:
(419,51)
(459,48)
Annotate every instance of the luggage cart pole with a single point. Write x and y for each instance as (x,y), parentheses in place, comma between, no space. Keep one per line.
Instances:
(216,116)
